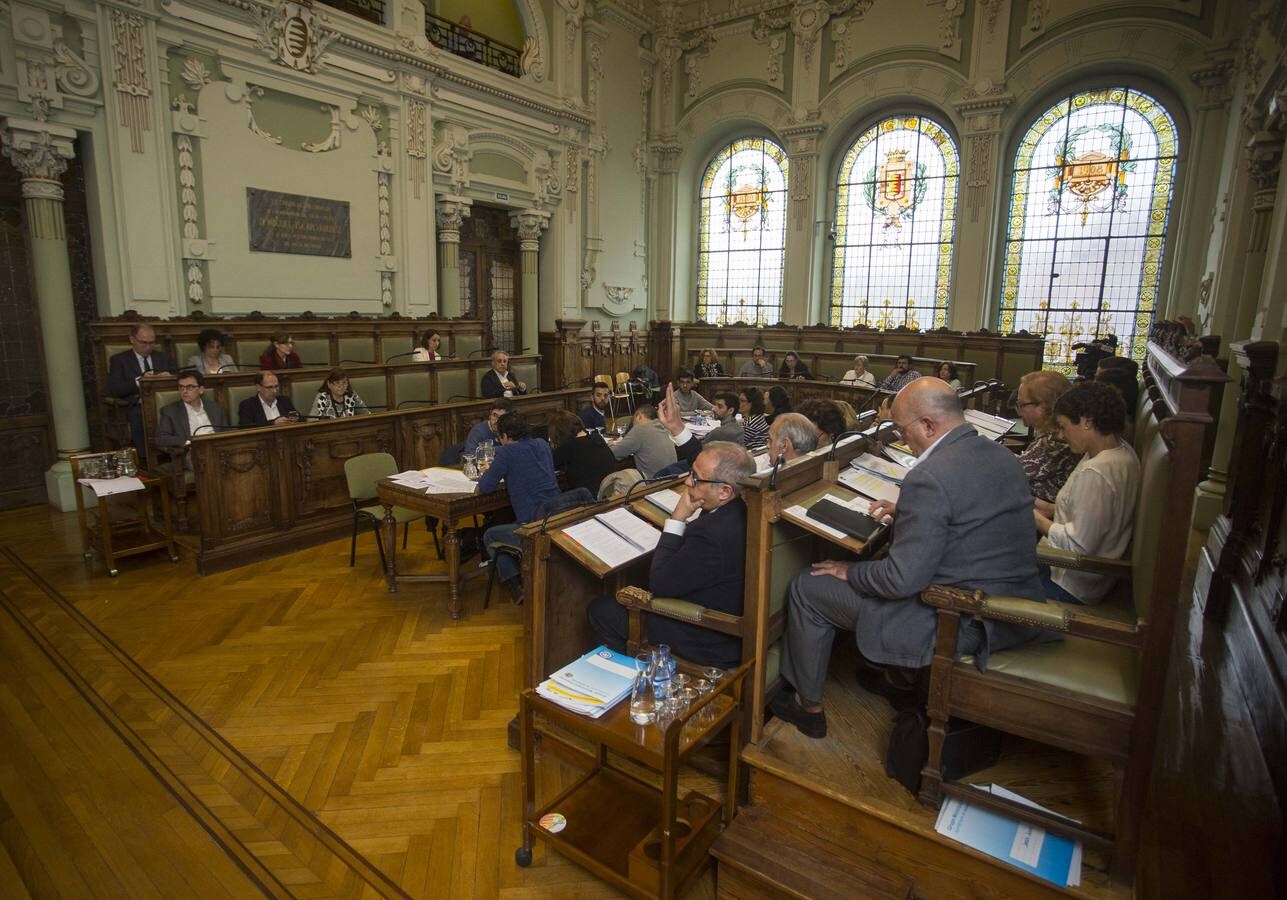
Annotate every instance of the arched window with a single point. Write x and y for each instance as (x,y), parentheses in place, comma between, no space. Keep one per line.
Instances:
(743,234)
(895,224)
(1091,195)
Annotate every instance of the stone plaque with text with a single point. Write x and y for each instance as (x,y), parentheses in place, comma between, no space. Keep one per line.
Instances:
(293,223)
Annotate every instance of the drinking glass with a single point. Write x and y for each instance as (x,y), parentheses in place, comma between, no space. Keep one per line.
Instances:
(713,673)
(621,430)
(643,708)
(704,688)
(469,465)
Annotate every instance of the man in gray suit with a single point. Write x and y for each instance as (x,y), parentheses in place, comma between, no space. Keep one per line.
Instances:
(190,416)
(963,518)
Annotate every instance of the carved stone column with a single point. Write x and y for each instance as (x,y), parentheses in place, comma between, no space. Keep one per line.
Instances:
(529,223)
(39,151)
(452,212)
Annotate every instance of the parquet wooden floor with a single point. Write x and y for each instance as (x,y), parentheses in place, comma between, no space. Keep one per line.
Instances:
(288,728)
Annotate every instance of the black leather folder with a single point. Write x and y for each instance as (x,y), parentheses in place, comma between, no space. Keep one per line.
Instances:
(843,518)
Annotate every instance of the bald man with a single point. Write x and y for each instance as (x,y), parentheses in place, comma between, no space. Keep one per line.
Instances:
(963,519)
(791,436)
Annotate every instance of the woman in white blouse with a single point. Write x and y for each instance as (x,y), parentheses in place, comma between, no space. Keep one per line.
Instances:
(428,349)
(211,358)
(859,374)
(1094,512)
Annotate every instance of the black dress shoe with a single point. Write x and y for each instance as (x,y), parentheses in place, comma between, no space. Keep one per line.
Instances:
(786,706)
(899,686)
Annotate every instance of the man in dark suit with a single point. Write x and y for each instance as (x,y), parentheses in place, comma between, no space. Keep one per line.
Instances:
(963,518)
(267,407)
(499,382)
(192,415)
(125,369)
(594,415)
(702,562)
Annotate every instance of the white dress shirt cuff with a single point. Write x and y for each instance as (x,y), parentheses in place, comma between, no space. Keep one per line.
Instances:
(676,527)
(682,438)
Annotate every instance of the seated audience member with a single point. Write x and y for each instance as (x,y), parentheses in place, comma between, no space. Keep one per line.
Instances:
(702,562)
(859,374)
(849,414)
(688,400)
(526,464)
(125,369)
(190,416)
(428,350)
(647,441)
(485,431)
(687,446)
(902,375)
(595,413)
(1048,459)
(755,428)
(499,382)
(730,429)
(710,366)
(962,519)
(210,357)
(1122,372)
(757,367)
(582,454)
(1094,513)
(793,367)
(827,417)
(790,436)
(779,402)
(646,383)
(336,398)
(946,371)
(280,353)
(267,407)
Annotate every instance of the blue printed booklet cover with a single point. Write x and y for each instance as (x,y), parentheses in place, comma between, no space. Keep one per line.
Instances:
(602,675)
(1029,847)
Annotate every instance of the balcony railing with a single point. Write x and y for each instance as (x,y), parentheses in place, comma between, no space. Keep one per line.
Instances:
(470,44)
(371,10)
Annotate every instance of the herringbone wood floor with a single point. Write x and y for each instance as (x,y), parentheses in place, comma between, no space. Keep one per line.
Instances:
(287,728)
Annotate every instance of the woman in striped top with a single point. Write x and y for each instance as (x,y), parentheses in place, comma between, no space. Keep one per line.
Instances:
(755,427)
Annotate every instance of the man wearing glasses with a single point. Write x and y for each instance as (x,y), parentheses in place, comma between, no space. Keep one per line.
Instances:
(963,519)
(125,369)
(485,430)
(701,561)
(267,407)
(190,416)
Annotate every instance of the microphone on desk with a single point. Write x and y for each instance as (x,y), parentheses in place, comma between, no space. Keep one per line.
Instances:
(482,350)
(454,397)
(233,366)
(400,356)
(831,453)
(360,362)
(214,428)
(653,480)
(402,403)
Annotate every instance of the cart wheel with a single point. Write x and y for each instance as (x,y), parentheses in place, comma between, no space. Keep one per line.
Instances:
(112,573)
(523,856)
(174,559)
(89,554)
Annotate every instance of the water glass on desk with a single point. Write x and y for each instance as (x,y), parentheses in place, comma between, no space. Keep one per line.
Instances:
(643,707)
(469,465)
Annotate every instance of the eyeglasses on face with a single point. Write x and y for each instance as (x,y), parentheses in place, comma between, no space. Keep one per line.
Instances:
(1022,403)
(693,480)
(189,387)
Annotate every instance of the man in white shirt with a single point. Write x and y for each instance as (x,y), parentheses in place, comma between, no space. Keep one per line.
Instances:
(190,416)
(499,381)
(268,406)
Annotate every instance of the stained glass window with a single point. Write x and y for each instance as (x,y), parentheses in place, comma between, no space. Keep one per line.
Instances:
(743,234)
(895,225)
(1091,195)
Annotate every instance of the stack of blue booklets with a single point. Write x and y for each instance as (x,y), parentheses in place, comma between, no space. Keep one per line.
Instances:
(591,685)
(1029,847)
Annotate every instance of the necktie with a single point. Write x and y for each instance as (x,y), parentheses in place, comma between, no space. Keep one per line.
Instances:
(147,364)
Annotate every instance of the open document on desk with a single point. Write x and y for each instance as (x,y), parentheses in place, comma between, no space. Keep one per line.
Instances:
(988,426)
(437,480)
(591,685)
(615,537)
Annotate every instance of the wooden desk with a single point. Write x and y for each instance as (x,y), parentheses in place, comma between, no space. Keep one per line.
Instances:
(142,535)
(446,508)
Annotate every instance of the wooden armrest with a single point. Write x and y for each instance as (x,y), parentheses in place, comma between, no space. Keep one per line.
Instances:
(1070,559)
(638,600)
(1048,615)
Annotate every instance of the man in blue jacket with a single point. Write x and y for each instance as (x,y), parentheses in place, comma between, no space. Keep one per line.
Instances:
(963,518)
(702,561)
(526,465)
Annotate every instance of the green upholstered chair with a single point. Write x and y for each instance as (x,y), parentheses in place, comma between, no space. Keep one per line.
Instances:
(363,473)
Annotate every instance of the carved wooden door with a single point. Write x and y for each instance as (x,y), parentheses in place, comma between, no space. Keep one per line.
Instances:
(489,277)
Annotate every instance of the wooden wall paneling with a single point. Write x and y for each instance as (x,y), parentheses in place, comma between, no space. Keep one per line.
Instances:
(26,451)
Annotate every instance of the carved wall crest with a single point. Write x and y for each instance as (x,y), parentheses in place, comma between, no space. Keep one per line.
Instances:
(451,155)
(293,35)
(617,300)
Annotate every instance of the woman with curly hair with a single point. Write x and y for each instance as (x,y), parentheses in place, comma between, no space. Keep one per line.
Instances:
(336,399)
(1048,460)
(211,358)
(755,428)
(1094,512)
(710,366)
(793,367)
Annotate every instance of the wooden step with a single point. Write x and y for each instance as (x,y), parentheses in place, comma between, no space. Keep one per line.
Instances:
(762,855)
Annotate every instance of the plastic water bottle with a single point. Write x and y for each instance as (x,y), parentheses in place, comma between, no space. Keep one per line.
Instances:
(663,668)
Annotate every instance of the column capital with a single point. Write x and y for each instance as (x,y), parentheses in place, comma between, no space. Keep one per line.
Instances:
(530,223)
(39,151)
(452,211)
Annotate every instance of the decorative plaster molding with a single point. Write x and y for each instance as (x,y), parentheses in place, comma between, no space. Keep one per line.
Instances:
(532,62)
(1038,11)
(130,75)
(38,150)
(574,12)
(529,223)
(247,98)
(451,213)
(47,69)
(195,74)
(464,101)
(416,144)
(546,185)
(617,299)
(991,9)
(195,250)
(451,155)
(332,139)
(293,35)
(72,74)
(949,22)
(386,262)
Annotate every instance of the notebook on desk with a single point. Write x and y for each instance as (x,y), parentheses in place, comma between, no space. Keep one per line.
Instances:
(615,537)
(845,518)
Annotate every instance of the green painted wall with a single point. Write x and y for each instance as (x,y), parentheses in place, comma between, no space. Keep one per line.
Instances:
(497,19)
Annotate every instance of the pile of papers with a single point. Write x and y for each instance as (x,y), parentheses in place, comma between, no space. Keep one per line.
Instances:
(666,498)
(436,480)
(873,477)
(988,426)
(105,487)
(1029,847)
(591,685)
(616,537)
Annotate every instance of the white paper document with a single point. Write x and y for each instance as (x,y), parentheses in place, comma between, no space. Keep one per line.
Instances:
(869,485)
(615,537)
(104,487)
(666,498)
(629,526)
(762,463)
(988,426)
(447,481)
(891,470)
(800,514)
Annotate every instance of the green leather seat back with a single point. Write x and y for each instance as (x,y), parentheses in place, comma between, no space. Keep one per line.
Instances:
(373,389)
(393,344)
(237,393)
(316,352)
(526,371)
(453,382)
(412,384)
(1087,667)
(354,348)
(464,345)
(1154,485)
(791,552)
